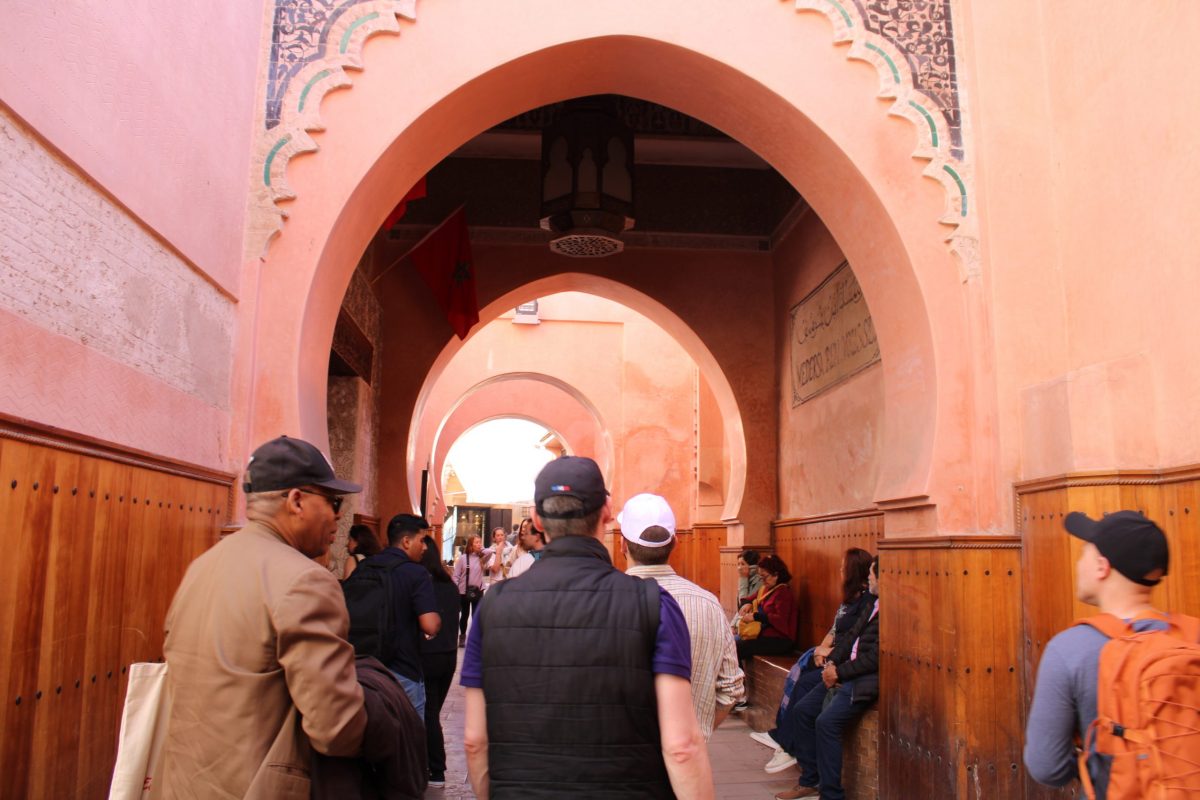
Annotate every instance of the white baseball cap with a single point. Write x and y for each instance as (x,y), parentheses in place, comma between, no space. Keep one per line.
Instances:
(645,511)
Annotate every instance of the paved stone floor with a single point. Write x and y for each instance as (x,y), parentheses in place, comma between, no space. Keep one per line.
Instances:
(737,760)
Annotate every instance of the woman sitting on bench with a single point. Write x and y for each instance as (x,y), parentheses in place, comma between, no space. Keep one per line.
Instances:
(768,624)
(806,673)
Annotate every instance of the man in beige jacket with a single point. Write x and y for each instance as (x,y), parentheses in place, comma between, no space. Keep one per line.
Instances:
(259,668)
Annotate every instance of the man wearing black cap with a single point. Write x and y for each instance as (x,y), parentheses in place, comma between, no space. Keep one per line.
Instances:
(1124,556)
(258,663)
(577,675)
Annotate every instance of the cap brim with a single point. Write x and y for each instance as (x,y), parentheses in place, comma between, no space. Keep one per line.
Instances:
(1080,525)
(341,487)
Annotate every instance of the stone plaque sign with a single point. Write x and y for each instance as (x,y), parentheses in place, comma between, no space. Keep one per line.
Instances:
(832,336)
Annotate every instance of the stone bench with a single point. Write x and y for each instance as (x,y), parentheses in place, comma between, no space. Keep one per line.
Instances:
(860,745)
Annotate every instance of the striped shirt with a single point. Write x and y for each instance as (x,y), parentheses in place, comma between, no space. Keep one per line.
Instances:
(716,677)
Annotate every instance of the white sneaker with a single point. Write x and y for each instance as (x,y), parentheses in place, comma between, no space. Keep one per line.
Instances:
(780,761)
(764,738)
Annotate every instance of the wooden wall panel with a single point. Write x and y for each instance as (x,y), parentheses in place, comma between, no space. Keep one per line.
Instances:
(96,539)
(950,667)
(812,548)
(1169,497)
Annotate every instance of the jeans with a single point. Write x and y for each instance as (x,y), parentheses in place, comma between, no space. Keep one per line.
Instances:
(818,737)
(415,691)
(784,732)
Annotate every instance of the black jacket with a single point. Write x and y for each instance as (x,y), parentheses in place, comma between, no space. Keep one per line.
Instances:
(393,765)
(568,651)
(864,668)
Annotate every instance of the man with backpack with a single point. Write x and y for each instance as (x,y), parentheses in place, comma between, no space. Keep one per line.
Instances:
(391,603)
(1116,702)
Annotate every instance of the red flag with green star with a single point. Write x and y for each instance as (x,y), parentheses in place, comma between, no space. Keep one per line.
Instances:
(443,258)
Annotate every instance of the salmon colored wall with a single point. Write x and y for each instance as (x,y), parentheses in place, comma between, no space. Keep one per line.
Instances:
(633,380)
(713,461)
(1087,179)
(829,446)
(153,103)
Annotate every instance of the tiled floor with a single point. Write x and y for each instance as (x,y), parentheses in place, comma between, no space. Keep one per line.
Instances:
(737,760)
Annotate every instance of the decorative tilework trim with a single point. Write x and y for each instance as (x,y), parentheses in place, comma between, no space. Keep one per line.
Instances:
(345,45)
(961,186)
(271,158)
(844,12)
(933,134)
(891,64)
(325,73)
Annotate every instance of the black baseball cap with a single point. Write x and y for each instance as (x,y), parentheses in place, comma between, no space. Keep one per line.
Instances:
(570,476)
(287,463)
(1133,544)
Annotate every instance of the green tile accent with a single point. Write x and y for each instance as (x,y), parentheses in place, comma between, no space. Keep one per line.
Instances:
(888,59)
(928,118)
(271,158)
(353,27)
(845,13)
(325,73)
(962,189)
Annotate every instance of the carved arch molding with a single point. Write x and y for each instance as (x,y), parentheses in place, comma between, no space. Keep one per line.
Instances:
(910,43)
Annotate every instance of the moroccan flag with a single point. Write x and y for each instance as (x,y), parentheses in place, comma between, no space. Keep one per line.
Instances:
(443,258)
(415,193)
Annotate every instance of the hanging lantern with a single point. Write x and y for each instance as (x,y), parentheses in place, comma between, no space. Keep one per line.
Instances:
(587,180)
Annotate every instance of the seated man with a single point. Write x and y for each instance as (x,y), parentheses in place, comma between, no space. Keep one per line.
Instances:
(852,672)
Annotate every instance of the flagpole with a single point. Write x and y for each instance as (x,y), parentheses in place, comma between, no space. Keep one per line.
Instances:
(432,231)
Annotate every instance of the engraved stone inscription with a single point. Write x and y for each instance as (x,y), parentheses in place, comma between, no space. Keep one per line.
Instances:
(832,336)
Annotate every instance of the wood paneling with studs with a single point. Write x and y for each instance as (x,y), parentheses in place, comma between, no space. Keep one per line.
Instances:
(812,548)
(95,540)
(1169,497)
(950,668)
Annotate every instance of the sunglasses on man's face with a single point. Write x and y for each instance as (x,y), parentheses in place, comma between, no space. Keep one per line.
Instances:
(335,500)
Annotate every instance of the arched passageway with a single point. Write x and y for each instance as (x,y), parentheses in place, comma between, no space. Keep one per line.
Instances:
(850,163)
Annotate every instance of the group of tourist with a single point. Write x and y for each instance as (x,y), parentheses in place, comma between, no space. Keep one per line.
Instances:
(579,680)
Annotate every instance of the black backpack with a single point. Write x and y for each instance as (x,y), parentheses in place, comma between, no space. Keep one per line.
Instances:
(368,593)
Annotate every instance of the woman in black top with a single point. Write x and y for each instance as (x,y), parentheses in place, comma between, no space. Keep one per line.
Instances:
(439,657)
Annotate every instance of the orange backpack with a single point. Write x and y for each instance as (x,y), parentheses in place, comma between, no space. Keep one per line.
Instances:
(1147,710)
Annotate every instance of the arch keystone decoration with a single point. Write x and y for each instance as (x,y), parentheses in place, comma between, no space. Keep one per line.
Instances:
(911,46)
(313,43)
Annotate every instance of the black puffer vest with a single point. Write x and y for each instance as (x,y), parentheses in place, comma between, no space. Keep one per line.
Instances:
(567,653)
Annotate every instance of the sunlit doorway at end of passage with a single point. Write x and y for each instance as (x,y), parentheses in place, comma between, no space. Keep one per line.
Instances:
(487,481)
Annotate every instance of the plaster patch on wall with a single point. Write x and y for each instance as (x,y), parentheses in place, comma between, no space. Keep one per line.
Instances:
(77,265)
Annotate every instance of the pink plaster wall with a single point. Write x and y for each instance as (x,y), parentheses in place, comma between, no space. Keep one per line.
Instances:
(639,381)
(153,101)
(1087,178)
(829,446)
(88,286)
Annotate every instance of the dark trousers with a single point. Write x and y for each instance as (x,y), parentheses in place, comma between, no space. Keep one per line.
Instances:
(467,608)
(439,677)
(784,731)
(763,646)
(817,735)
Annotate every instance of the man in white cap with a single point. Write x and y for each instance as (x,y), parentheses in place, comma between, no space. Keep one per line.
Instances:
(648,537)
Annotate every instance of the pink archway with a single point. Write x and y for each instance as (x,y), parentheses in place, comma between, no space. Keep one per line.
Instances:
(735,439)
(782,96)
(560,408)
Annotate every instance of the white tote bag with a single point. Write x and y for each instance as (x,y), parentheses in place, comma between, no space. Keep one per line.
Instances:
(143,728)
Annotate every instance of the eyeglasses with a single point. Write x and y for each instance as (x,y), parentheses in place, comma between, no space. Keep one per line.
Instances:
(335,500)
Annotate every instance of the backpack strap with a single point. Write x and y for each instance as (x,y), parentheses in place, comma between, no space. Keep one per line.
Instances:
(1111,626)
(1189,627)
(653,608)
